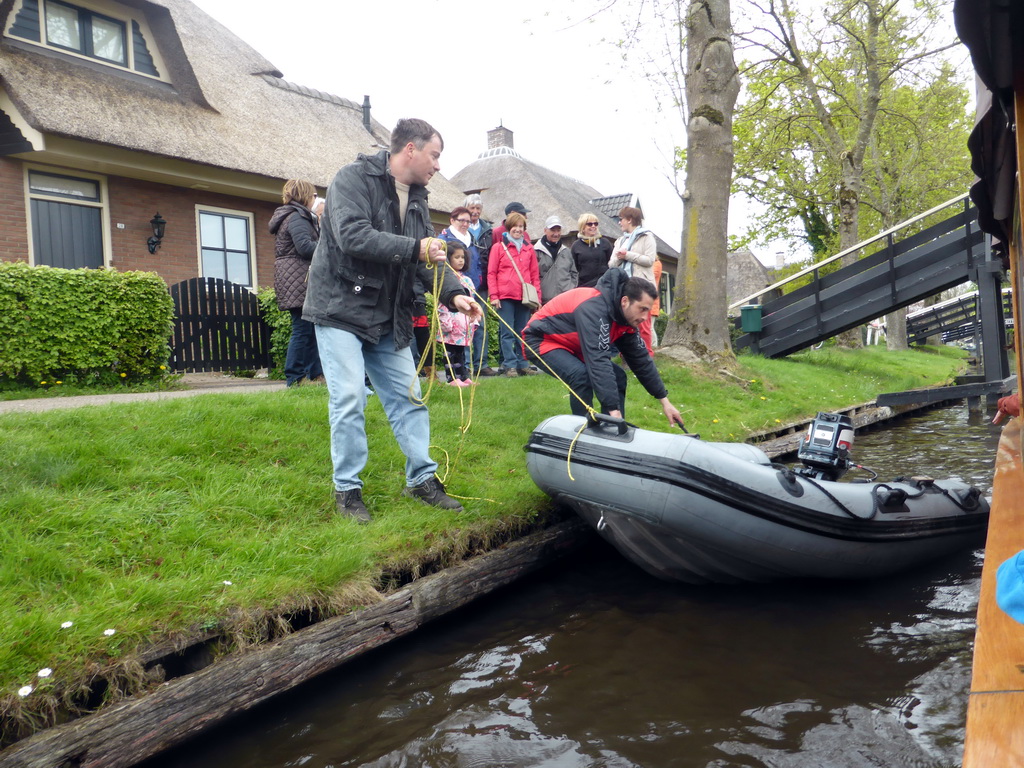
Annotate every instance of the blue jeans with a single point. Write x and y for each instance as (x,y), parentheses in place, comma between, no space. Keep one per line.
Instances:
(514,314)
(347,359)
(303,358)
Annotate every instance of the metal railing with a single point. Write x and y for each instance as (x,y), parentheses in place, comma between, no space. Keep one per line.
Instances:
(824,262)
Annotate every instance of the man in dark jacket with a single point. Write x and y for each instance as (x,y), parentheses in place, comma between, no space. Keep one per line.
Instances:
(573,335)
(375,243)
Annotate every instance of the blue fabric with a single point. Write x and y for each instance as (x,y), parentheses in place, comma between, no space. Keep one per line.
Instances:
(514,314)
(1010,587)
(303,358)
(346,360)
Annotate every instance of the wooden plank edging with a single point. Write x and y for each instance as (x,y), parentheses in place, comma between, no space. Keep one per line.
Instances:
(131,731)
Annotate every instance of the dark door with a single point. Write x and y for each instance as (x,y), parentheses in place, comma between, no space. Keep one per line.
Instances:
(66,235)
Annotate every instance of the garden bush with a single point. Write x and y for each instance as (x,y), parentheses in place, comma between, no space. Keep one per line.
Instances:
(82,325)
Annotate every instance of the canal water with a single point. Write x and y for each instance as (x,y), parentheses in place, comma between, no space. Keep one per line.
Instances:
(595,664)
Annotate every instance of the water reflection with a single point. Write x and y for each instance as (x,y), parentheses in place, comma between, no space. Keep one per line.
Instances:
(597,665)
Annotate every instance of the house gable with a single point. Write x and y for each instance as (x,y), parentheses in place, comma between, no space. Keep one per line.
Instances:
(104,32)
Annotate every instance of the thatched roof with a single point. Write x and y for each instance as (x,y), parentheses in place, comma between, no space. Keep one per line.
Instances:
(745,275)
(225,106)
(501,175)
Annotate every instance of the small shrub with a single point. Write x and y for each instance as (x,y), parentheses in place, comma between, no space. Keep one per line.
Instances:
(280,322)
(86,325)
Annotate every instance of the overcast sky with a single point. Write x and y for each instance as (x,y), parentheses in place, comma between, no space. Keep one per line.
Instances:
(573,104)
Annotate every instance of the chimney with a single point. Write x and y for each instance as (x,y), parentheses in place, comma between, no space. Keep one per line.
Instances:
(499,137)
(366,113)
(780,260)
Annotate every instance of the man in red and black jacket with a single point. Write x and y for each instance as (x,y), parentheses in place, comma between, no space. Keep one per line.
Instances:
(573,335)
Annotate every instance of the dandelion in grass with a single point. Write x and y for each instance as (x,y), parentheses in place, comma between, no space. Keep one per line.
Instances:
(123,375)
(44,672)
(714,421)
(109,632)
(763,397)
(24,691)
(42,383)
(778,421)
(58,382)
(67,625)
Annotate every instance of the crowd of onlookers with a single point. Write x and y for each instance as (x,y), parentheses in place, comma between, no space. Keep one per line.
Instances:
(515,276)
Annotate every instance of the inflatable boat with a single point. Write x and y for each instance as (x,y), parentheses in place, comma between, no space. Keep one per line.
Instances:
(689,510)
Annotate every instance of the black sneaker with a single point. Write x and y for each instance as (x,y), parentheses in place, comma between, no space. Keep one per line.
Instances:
(432,492)
(350,504)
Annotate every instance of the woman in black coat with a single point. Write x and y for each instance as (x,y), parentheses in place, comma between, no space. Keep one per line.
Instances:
(296,229)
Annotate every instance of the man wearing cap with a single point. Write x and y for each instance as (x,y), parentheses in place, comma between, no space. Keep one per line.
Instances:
(554,261)
(501,229)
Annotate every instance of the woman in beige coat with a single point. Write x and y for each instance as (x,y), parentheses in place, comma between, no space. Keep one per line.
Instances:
(635,253)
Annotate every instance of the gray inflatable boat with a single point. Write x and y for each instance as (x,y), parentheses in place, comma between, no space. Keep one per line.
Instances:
(689,510)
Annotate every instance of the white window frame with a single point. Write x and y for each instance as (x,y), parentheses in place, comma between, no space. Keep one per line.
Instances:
(113,11)
(103,204)
(250,219)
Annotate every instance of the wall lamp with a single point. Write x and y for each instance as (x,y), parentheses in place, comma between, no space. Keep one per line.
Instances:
(158,224)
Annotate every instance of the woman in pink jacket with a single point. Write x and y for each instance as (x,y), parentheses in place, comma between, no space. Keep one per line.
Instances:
(505,288)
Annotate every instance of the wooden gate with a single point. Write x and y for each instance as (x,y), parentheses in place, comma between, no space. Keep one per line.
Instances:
(217,327)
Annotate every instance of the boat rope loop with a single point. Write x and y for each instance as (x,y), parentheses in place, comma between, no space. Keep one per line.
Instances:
(838,503)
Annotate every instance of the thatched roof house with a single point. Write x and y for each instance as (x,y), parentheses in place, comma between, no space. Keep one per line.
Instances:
(161,108)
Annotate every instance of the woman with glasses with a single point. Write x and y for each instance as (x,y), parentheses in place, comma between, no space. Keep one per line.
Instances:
(591,252)
(458,232)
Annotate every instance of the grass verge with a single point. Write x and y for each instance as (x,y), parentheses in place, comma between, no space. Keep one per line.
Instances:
(140,523)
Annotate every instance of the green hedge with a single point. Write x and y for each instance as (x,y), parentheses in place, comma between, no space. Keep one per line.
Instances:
(280,322)
(84,325)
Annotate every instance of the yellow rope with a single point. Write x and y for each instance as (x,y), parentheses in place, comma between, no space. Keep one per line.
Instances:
(466,416)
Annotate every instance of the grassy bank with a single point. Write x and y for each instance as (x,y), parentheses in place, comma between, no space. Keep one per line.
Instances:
(158,519)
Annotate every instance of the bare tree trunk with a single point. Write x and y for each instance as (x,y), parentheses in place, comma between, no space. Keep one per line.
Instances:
(699,324)
(896,330)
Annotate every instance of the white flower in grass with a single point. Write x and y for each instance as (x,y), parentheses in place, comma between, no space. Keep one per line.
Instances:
(67,625)
(109,632)
(24,691)
(45,672)
(226,583)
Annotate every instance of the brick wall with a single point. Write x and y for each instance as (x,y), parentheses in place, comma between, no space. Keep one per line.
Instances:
(13,222)
(133,203)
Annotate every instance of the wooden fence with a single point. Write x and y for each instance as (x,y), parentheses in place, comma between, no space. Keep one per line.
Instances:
(217,327)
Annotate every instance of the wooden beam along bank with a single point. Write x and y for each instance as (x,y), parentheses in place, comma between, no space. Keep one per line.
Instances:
(129,732)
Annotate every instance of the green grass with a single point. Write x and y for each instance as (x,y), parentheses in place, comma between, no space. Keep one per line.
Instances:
(133,516)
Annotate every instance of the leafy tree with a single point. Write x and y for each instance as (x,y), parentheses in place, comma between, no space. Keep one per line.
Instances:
(843,100)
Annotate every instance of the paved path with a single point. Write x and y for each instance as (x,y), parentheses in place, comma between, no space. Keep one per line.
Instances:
(197,383)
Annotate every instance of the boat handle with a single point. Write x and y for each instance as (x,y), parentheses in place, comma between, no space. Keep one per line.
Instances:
(602,524)
(603,419)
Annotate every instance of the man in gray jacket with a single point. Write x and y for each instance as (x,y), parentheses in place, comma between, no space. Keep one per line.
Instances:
(375,243)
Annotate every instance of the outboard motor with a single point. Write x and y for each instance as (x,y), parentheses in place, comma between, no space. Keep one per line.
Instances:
(825,450)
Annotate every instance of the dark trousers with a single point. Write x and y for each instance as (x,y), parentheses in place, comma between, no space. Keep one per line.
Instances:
(573,372)
(455,362)
(303,359)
